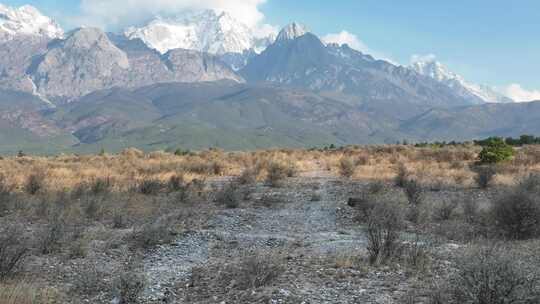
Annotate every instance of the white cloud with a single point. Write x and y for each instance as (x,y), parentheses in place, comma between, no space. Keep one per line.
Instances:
(117,14)
(423,58)
(345,37)
(520,94)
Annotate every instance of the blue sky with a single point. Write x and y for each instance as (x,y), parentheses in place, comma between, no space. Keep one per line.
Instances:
(487,41)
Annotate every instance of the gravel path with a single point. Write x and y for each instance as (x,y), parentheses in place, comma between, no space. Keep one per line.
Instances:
(297,220)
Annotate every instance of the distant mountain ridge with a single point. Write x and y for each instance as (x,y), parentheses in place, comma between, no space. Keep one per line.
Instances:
(86,89)
(474,92)
(299,58)
(88,60)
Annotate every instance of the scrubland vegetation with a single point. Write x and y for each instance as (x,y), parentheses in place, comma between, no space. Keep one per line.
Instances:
(451,224)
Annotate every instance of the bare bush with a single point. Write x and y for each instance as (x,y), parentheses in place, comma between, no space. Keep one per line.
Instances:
(34,183)
(89,279)
(176,183)
(470,210)
(251,271)
(383,226)
(151,234)
(347,167)
(517,214)
(494,275)
(229,196)
(26,293)
(248,177)
(414,192)
(446,210)
(401,176)
(149,186)
(129,285)
(13,251)
(51,235)
(277,173)
(257,270)
(484,175)
(101,185)
(5,192)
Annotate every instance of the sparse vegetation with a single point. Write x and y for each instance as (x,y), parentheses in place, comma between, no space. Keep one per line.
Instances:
(240,240)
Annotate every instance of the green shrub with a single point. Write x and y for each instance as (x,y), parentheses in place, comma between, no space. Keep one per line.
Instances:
(495,151)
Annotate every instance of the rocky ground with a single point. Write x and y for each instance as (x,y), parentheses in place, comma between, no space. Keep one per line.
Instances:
(306,224)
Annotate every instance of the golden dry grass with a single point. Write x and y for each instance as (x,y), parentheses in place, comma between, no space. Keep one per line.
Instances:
(448,165)
(25,293)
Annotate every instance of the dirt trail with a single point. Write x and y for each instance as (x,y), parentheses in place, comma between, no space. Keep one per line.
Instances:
(306,215)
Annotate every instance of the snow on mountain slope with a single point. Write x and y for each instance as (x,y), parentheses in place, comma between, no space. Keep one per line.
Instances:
(26,20)
(291,32)
(206,31)
(434,69)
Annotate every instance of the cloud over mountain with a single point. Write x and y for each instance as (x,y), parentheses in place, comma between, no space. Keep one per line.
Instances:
(116,14)
(520,94)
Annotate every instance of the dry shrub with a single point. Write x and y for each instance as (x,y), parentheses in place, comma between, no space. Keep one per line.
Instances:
(517,213)
(52,236)
(149,186)
(132,153)
(383,225)
(277,173)
(26,293)
(414,192)
(6,191)
(34,183)
(484,175)
(151,234)
(129,284)
(445,210)
(347,167)
(101,185)
(13,251)
(495,275)
(229,196)
(251,271)
(89,279)
(176,183)
(401,176)
(248,176)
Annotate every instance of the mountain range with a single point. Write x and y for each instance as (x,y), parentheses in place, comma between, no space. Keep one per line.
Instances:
(203,79)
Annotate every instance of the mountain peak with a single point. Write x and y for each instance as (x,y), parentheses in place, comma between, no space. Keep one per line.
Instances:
(429,66)
(26,20)
(206,31)
(291,32)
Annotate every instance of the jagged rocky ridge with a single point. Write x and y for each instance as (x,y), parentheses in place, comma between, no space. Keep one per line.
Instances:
(88,60)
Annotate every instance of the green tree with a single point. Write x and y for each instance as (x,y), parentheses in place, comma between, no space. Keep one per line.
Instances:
(495,150)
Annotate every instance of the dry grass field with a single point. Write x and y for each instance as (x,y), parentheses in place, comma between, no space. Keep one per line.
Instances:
(377,224)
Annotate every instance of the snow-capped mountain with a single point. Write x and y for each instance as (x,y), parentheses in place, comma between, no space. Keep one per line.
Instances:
(291,32)
(475,92)
(26,20)
(206,31)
